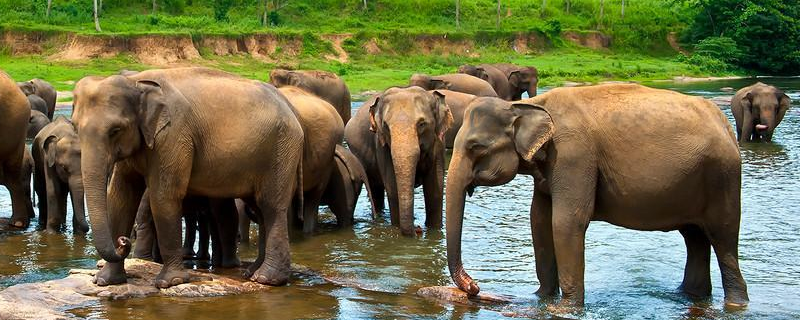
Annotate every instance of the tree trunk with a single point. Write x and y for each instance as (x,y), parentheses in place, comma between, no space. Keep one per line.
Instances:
(49,5)
(623,9)
(600,21)
(96,19)
(154,7)
(365,5)
(569,4)
(497,23)
(458,14)
(544,5)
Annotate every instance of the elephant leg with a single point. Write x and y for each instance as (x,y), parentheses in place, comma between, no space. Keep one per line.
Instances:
(697,275)
(724,237)
(224,212)
(55,196)
(21,206)
(378,193)
(244,223)
(262,237)
(190,218)
(167,213)
(145,231)
(543,248)
(124,195)
(203,226)
(274,202)
(311,202)
(432,188)
(62,208)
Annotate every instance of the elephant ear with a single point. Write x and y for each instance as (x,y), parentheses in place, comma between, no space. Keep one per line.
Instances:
(375,120)
(295,79)
(783,105)
(481,72)
(747,102)
(154,104)
(439,84)
(444,117)
(49,146)
(533,127)
(514,78)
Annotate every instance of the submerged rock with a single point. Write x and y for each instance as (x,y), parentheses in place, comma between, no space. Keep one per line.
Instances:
(455,295)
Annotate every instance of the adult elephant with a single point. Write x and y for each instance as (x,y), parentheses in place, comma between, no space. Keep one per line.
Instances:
(323,130)
(37,104)
(44,90)
(597,153)
(182,131)
(399,138)
(36,123)
(57,156)
(493,76)
(456,82)
(521,79)
(14,115)
(323,84)
(758,109)
(457,102)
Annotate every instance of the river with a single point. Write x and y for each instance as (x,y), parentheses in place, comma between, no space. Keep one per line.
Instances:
(629,274)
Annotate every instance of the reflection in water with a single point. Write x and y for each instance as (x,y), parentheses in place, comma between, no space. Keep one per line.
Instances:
(629,274)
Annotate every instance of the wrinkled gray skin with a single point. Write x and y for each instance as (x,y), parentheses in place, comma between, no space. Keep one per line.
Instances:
(323,84)
(758,110)
(44,90)
(398,137)
(27,175)
(456,82)
(344,187)
(178,132)
(37,103)
(57,155)
(14,115)
(493,76)
(36,123)
(457,102)
(520,79)
(598,154)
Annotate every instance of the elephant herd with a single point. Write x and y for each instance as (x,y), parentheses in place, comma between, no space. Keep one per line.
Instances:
(148,150)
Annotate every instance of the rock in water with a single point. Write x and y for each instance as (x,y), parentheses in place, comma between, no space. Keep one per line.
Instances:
(455,295)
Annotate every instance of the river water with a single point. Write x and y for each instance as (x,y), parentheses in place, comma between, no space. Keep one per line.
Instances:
(629,274)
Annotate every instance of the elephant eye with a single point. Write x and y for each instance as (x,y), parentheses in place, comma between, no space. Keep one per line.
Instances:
(421,124)
(114,131)
(476,146)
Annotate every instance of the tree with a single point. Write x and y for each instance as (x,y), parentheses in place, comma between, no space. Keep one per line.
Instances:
(623,9)
(49,5)
(271,8)
(600,20)
(568,4)
(365,5)
(544,5)
(154,7)
(497,23)
(96,19)
(458,13)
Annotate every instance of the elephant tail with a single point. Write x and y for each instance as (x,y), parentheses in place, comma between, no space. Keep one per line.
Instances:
(298,205)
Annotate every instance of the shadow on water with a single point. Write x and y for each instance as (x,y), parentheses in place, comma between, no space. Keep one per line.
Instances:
(373,272)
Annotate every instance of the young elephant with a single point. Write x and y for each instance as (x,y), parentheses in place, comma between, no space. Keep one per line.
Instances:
(323,130)
(493,76)
(14,116)
(598,153)
(344,187)
(44,90)
(323,84)
(57,155)
(399,138)
(36,123)
(520,79)
(758,110)
(457,102)
(186,131)
(456,82)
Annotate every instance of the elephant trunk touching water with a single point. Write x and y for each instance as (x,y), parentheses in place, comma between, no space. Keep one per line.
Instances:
(457,188)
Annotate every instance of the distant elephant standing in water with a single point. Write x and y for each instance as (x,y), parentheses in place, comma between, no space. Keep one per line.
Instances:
(398,137)
(758,110)
(15,112)
(44,90)
(598,154)
(57,155)
(323,84)
(36,123)
(456,82)
(520,79)
(493,76)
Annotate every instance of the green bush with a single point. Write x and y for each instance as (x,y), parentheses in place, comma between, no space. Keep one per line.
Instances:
(720,48)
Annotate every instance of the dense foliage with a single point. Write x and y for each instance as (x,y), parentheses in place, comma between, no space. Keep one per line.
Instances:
(766,33)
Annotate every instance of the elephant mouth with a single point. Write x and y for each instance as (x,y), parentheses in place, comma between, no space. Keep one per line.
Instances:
(761,127)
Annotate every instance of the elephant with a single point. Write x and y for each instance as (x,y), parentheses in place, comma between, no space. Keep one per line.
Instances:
(520,79)
(37,103)
(323,130)
(57,156)
(44,90)
(486,72)
(323,84)
(27,174)
(597,154)
(186,131)
(14,115)
(456,82)
(36,123)
(344,187)
(758,109)
(398,137)
(457,102)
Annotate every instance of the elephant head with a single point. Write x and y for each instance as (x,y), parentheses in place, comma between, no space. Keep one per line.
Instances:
(37,121)
(475,71)
(763,109)
(495,140)
(62,157)
(524,79)
(116,118)
(428,83)
(408,124)
(27,87)
(280,77)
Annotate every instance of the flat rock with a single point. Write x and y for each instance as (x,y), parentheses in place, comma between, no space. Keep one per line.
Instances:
(722,101)
(455,295)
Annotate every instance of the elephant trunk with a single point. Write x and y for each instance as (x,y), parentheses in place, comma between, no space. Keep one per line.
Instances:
(96,170)
(78,209)
(767,125)
(458,179)
(532,87)
(405,155)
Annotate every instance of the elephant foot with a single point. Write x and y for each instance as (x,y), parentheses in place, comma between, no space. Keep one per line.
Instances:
(204,256)
(168,278)
(110,274)
(188,254)
(696,291)
(736,301)
(21,223)
(566,306)
(547,291)
(230,262)
(272,276)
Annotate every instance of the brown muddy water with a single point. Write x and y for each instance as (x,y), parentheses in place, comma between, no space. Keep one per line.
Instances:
(629,274)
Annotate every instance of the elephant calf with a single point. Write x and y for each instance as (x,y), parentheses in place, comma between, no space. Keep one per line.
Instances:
(57,155)
(42,89)
(598,154)
(758,110)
